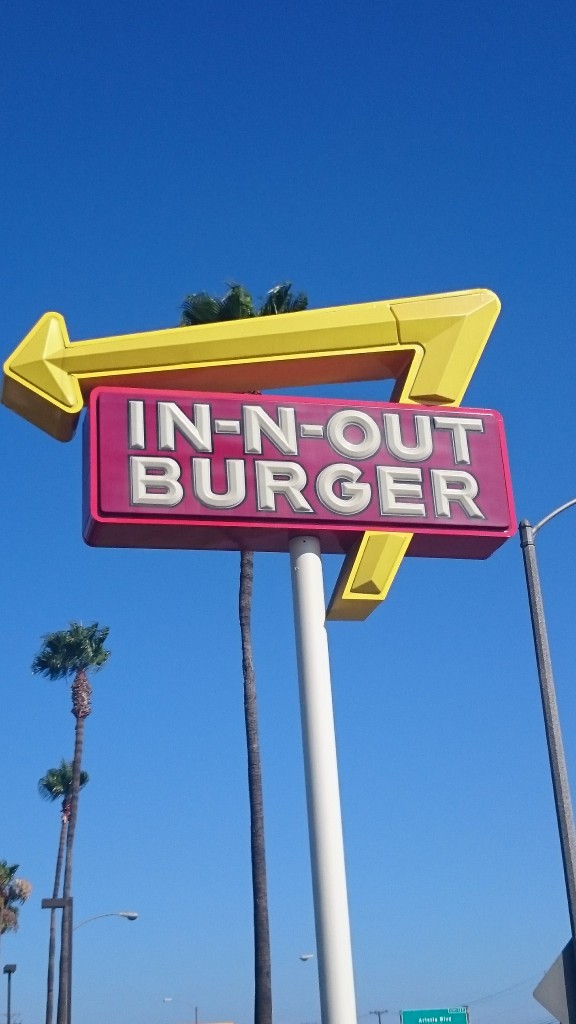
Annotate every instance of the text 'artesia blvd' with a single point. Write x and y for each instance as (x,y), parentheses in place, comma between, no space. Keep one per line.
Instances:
(185,470)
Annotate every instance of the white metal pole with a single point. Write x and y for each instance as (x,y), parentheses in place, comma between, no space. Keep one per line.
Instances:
(334,948)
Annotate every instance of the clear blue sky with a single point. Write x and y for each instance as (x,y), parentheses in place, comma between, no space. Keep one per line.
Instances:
(364,151)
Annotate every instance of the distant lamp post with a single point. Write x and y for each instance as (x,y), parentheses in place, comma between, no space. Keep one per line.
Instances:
(560,785)
(170,999)
(9,970)
(130,915)
(306,956)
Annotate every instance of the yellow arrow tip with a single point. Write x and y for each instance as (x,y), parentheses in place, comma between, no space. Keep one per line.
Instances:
(35,384)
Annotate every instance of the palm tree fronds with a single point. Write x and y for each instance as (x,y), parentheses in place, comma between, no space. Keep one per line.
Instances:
(8,920)
(20,890)
(200,308)
(13,893)
(280,300)
(57,783)
(68,651)
(237,304)
(7,872)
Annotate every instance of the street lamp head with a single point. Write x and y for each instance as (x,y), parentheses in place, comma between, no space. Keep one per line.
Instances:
(306,956)
(9,968)
(130,915)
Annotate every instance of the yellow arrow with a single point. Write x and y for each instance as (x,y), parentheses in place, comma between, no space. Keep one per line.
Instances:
(430,345)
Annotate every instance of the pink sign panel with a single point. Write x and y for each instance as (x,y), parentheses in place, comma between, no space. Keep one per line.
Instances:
(174,469)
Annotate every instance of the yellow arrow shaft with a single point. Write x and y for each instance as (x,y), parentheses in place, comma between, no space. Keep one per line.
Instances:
(245,341)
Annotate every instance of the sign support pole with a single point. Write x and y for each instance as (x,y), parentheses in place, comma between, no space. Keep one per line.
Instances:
(334,948)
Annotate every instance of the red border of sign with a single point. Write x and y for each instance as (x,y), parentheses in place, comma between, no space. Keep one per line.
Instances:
(138,531)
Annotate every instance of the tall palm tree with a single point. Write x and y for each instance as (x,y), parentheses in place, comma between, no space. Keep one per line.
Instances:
(13,893)
(57,785)
(72,653)
(202,308)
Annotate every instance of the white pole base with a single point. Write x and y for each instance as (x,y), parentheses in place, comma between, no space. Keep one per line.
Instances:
(334,948)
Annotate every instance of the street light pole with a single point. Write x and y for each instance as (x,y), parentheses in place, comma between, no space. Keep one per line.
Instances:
(129,915)
(9,970)
(170,999)
(65,904)
(560,785)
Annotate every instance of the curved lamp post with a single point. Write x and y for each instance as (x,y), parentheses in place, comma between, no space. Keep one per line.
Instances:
(130,915)
(65,903)
(564,815)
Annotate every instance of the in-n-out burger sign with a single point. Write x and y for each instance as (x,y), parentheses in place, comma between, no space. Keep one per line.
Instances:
(176,469)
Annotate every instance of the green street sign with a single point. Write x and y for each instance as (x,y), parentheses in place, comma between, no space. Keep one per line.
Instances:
(451,1015)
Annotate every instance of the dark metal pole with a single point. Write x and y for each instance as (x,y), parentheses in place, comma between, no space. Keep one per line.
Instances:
(556,756)
(69,910)
(9,970)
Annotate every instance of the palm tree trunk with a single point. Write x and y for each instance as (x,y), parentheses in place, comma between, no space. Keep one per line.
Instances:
(262,968)
(52,940)
(81,691)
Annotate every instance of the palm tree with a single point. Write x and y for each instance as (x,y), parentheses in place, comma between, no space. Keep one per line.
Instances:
(72,652)
(57,785)
(202,308)
(13,893)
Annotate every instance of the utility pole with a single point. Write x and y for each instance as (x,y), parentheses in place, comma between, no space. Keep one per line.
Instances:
(379,1014)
